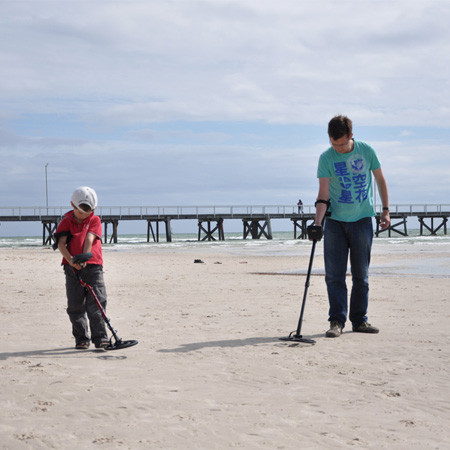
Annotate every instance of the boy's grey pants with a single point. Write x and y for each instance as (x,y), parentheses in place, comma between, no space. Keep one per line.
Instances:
(80,302)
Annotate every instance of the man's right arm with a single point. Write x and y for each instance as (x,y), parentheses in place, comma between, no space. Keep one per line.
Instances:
(324,194)
(315,231)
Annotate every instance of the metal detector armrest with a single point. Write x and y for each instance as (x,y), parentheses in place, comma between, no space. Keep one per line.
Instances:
(81,258)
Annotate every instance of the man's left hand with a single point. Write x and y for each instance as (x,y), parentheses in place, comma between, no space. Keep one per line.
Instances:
(385,220)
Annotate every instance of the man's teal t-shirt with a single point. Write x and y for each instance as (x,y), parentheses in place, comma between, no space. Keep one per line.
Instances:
(351,193)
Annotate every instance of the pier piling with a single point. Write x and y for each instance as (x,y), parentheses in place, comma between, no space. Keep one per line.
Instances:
(301,225)
(48,230)
(431,228)
(115,224)
(151,231)
(257,227)
(210,230)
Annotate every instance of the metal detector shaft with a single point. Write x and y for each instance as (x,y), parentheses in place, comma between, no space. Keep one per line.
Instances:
(119,343)
(296,335)
(102,310)
(308,276)
(82,258)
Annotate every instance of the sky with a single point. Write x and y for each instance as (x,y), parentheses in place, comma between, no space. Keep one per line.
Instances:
(218,102)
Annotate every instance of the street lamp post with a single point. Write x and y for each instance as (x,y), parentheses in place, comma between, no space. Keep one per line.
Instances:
(46,188)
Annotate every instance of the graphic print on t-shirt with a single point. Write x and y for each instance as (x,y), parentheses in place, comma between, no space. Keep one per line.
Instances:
(352,177)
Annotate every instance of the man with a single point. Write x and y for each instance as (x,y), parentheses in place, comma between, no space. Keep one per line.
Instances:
(345,190)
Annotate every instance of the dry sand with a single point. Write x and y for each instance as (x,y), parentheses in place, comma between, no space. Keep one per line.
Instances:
(209,370)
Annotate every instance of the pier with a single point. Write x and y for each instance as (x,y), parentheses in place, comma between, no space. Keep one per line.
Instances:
(256,220)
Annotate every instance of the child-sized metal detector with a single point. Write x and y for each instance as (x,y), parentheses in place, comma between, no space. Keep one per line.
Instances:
(296,335)
(118,343)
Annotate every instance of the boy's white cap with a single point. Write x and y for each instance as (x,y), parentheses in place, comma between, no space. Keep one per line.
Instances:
(84,195)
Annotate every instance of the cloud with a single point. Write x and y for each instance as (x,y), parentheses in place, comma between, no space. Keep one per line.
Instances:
(415,170)
(218,101)
(227,60)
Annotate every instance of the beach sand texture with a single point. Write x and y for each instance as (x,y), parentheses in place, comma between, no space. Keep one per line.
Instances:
(209,371)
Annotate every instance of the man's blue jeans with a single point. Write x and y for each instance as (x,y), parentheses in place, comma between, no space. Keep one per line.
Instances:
(340,240)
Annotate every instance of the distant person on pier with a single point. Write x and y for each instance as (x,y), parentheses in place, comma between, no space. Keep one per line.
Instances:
(80,231)
(345,189)
(300,206)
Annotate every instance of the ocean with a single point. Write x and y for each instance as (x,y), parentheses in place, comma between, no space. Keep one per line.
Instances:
(140,240)
(434,250)
(281,238)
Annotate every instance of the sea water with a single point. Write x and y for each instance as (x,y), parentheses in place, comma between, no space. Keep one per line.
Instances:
(435,250)
(280,238)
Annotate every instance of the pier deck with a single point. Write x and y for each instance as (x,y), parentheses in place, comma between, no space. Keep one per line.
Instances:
(256,219)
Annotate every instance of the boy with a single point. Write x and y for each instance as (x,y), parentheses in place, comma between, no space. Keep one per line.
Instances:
(80,231)
(345,186)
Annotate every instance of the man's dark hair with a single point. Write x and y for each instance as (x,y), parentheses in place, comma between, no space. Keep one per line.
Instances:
(340,126)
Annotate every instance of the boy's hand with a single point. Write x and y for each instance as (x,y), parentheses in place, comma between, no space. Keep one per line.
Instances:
(79,261)
(77,266)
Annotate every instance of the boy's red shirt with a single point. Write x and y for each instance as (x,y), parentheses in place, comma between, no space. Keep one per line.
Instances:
(76,234)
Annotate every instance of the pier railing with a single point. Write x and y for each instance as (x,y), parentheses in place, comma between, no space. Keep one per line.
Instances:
(124,212)
(414,209)
(19,213)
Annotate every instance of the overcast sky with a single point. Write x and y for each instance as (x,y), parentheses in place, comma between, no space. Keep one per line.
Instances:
(218,102)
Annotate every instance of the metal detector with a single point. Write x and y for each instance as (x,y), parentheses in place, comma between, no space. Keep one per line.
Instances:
(296,335)
(118,343)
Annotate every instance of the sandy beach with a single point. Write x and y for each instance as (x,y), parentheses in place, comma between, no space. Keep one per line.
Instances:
(209,371)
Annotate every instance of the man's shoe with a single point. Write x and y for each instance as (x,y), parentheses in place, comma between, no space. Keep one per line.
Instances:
(335,330)
(365,328)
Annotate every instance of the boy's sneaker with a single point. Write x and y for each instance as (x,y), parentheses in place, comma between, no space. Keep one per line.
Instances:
(102,345)
(335,330)
(82,345)
(365,328)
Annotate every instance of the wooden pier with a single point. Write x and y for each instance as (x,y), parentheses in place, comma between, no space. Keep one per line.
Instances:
(256,220)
